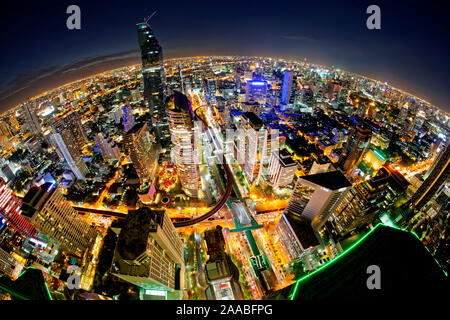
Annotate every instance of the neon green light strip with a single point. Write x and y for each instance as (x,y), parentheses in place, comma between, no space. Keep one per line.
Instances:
(379,154)
(297,284)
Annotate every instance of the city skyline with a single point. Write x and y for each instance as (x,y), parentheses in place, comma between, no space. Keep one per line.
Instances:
(300,38)
(222,177)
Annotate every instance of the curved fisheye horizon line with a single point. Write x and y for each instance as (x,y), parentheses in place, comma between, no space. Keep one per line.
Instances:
(289,59)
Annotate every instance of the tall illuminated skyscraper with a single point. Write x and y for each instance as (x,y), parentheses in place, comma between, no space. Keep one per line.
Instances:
(256,91)
(69,122)
(209,88)
(286,87)
(108,147)
(437,175)
(179,113)
(355,147)
(141,149)
(154,81)
(10,210)
(69,139)
(316,196)
(53,216)
(252,145)
(281,168)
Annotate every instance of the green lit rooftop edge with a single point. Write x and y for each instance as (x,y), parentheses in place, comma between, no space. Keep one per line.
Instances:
(22,297)
(297,284)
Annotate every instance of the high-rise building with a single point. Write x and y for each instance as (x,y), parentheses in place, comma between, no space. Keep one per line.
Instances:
(286,88)
(361,203)
(419,119)
(316,196)
(9,265)
(307,96)
(69,126)
(437,175)
(256,91)
(154,81)
(209,88)
(184,153)
(108,147)
(149,252)
(127,117)
(140,147)
(53,216)
(296,235)
(281,168)
(31,118)
(10,210)
(252,145)
(68,151)
(355,147)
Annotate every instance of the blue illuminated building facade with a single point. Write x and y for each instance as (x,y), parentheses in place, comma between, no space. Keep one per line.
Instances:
(256,91)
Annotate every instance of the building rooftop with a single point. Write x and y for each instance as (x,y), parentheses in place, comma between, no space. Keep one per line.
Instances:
(407,270)
(332,180)
(30,285)
(285,157)
(303,230)
(255,121)
(34,198)
(134,235)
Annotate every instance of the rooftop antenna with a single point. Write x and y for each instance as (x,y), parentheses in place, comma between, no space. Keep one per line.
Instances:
(147,19)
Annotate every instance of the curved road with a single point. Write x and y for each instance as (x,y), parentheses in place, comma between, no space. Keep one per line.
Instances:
(222,200)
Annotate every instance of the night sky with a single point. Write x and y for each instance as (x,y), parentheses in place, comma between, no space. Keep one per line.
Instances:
(411,51)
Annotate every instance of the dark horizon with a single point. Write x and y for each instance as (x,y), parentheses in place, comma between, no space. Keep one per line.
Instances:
(409,54)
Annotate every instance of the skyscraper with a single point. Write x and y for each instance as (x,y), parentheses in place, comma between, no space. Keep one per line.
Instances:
(436,177)
(252,145)
(296,235)
(9,265)
(139,145)
(281,168)
(154,81)
(108,147)
(69,125)
(361,203)
(179,113)
(316,196)
(69,139)
(209,88)
(31,118)
(356,145)
(149,252)
(53,216)
(286,88)
(10,210)
(256,91)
